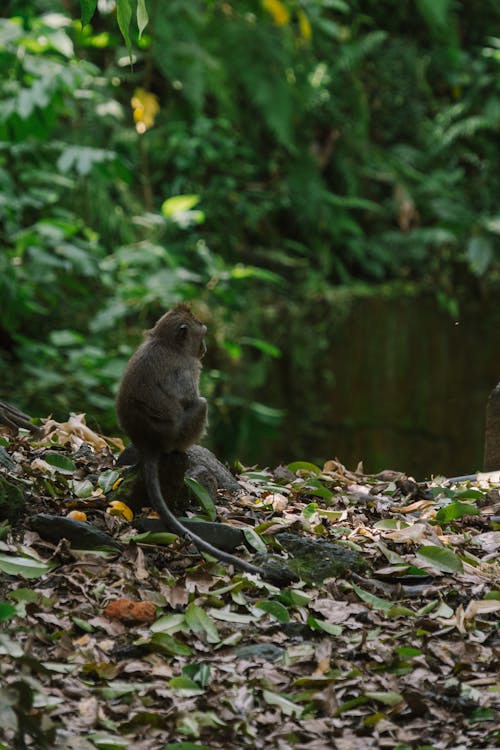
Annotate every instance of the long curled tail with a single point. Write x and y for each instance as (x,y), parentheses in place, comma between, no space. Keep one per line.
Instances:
(152,480)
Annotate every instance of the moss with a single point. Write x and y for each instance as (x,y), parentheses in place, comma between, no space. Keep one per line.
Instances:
(315,559)
(12,502)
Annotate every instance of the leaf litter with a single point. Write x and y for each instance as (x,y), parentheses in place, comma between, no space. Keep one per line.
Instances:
(152,646)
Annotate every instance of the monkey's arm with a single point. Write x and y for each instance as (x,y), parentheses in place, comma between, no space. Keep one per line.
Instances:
(176,424)
(193,421)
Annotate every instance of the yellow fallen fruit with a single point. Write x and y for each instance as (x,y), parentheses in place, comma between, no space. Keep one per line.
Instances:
(77,515)
(117,508)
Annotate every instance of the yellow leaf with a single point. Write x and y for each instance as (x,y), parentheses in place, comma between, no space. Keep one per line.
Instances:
(278,10)
(117,508)
(145,108)
(304,25)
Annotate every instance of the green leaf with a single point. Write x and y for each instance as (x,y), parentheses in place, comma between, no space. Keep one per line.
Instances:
(242,271)
(275,609)
(309,511)
(353,202)
(203,497)
(124,16)
(88,9)
(482,713)
(493,595)
(441,558)
(288,707)
(192,722)
(142,16)
(156,537)
(315,487)
(186,746)
(375,601)
(227,615)
(117,689)
(456,510)
(66,337)
(185,686)
(304,466)
(107,480)
(167,644)
(399,610)
(27,596)
(480,253)
(389,524)
(105,741)
(198,621)
(82,488)
(178,204)
(82,159)
(6,611)
(60,461)
(83,624)
(264,346)
(254,540)
(407,652)
(326,627)
(390,698)
(294,598)
(469,494)
(435,13)
(26,567)
(168,623)
(350,704)
(200,673)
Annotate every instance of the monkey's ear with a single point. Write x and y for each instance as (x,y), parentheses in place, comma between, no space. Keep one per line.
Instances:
(182,333)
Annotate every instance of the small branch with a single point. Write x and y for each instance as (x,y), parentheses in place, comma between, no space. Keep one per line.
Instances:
(12,417)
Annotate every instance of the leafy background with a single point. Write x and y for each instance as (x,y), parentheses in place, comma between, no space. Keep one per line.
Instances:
(312,175)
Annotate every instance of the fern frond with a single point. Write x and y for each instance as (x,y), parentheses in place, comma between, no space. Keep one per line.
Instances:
(468,127)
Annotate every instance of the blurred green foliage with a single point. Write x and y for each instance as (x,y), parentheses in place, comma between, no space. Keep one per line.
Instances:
(316,143)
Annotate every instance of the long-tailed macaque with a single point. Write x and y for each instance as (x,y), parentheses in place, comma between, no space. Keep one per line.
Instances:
(160,408)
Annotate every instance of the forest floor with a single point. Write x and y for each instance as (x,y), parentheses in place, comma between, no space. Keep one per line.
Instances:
(402,654)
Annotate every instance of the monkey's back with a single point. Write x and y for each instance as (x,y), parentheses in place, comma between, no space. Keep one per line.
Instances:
(150,398)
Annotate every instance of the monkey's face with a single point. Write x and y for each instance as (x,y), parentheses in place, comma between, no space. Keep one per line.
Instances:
(202,346)
(191,337)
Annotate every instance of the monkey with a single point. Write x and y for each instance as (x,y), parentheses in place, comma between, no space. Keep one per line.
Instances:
(160,408)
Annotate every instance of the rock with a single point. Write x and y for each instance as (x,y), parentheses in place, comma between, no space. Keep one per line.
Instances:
(220,535)
(80,535)
(313,560)
(259,652)
(197,463)
(492,432)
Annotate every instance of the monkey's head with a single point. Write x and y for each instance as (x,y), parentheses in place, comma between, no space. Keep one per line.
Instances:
(181,331)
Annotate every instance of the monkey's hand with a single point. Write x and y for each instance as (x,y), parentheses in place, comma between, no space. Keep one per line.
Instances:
(193,422)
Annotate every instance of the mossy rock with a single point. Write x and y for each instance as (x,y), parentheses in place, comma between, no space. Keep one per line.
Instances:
(313,560)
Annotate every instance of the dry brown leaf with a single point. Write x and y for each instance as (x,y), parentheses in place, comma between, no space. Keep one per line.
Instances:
(74,431)
(413,507)
(481,607)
